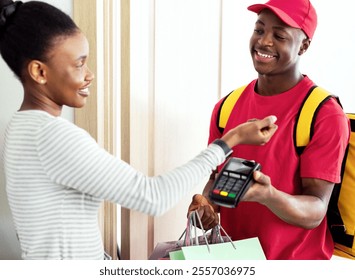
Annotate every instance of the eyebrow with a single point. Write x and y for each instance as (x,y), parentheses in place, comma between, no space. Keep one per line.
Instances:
(260,22)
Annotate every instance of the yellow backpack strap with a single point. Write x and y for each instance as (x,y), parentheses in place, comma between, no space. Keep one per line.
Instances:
(306,116)
(227,107)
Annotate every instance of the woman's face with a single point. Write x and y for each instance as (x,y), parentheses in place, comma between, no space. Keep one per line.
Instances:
(68,77)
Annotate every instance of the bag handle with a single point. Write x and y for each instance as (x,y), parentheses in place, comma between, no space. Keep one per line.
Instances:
(191,221)
(190,239)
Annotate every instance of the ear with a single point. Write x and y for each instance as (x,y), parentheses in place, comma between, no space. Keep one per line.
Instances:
(304,46)
(37,71)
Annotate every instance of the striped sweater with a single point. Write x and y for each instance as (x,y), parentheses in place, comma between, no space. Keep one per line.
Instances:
(57,176)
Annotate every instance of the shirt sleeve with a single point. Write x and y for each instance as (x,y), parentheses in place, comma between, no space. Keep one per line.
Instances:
(72,158)
(322,158)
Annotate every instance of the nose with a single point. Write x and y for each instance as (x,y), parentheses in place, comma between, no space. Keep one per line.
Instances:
(89,75)
(266,39)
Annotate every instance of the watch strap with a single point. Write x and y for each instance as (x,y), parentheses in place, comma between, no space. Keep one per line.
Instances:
(227,151)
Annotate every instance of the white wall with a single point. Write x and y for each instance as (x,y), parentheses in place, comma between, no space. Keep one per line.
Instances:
(329,61)
(187,85)
(174,84)
(11,94)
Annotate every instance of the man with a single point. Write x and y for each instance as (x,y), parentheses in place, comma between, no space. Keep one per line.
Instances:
(286,208)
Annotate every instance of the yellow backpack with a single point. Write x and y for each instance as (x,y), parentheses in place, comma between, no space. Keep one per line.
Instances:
(341,209)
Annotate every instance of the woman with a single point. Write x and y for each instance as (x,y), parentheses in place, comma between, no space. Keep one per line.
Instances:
(56,174)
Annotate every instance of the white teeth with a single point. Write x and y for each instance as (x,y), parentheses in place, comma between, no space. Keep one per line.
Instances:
(84,91)
(265,55)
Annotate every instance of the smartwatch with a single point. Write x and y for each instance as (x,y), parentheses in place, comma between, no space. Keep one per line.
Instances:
(227,151)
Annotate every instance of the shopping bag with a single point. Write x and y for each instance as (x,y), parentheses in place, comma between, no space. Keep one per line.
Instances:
(210,246)
(246,249)
(163,249)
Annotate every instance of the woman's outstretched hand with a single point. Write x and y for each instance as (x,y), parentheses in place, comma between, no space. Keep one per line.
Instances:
(252,132)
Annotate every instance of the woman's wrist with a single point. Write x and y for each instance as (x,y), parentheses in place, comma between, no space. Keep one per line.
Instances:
(225,147)
(231,138)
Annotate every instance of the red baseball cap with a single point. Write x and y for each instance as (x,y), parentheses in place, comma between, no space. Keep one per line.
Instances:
(296,13)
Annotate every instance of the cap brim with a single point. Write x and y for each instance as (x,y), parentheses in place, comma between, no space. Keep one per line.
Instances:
(257,8)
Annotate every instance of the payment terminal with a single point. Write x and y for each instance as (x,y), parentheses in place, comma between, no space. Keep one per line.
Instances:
(233,181)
